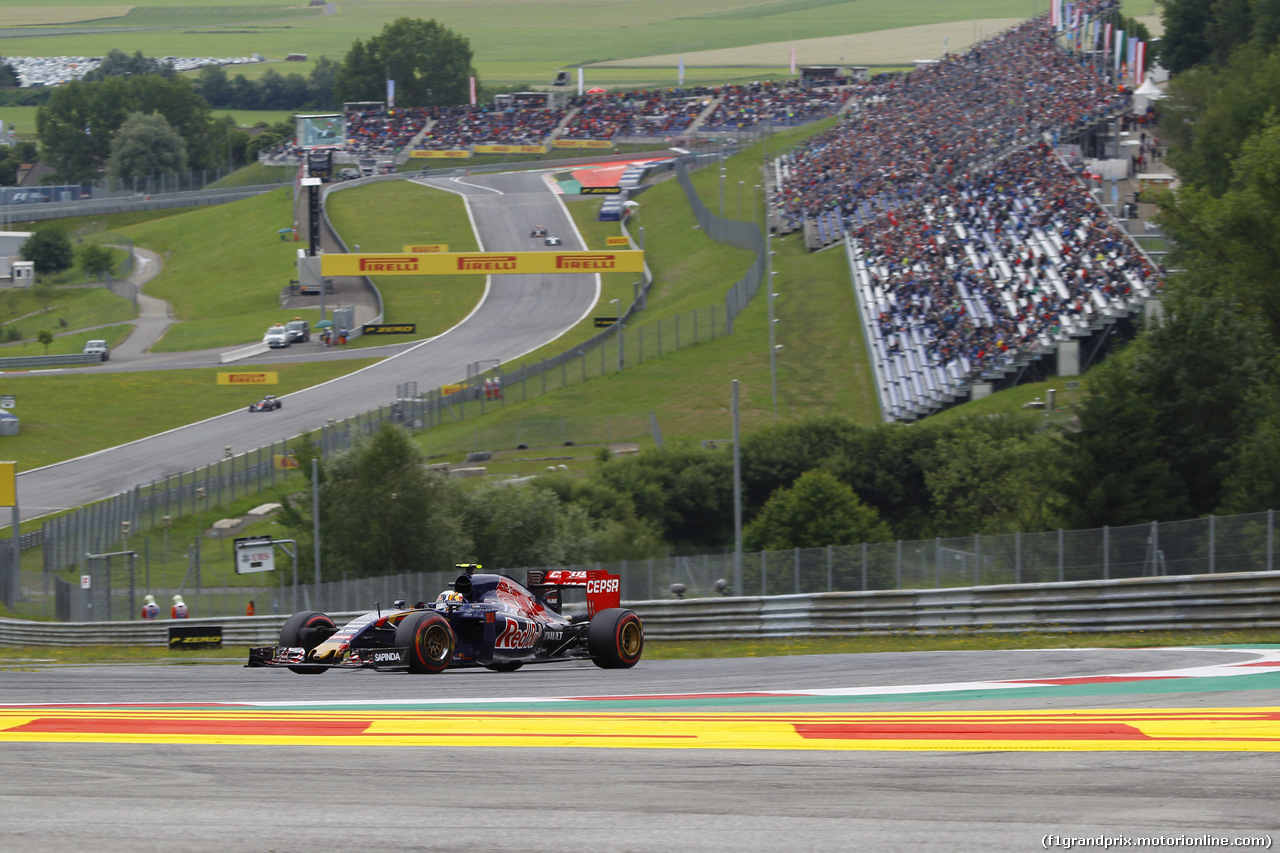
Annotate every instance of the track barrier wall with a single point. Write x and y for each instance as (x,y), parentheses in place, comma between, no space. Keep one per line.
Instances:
(1236,601)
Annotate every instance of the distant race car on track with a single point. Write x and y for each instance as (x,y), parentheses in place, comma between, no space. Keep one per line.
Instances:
(538,231)
(552,240)
(267,404)
(487,620)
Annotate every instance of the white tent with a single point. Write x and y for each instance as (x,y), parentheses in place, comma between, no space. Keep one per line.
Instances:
(1145,95)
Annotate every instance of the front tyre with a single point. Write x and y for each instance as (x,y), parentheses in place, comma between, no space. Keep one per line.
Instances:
(308,629)
(615,638)
(429,639)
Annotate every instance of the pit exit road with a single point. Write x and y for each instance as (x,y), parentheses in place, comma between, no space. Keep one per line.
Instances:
(516,315)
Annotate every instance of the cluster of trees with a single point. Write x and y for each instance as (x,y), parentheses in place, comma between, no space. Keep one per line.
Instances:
(1207,32)
(133,116)
(50,251)
(12,157)
(79,125)
(1137,456)
(430,64)
(271,91)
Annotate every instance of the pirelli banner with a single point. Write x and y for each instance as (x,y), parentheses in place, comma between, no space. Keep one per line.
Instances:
(265,377)
(483,263)
(442,154)
(583,143)
(509,149)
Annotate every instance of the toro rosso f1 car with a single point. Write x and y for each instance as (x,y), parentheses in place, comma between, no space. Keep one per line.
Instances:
(487,620)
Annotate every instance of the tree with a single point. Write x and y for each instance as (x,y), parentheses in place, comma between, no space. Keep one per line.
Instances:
(8,75)
(146,145)
(1185,42)
(994,475)
(49,250)
(525,526)
(382,512)
(321,82)
(685,491)
(45,338)
(429,62)
(96,260)
(215,87)
(818,510)
(117,63)
(1229,245)
(77,125)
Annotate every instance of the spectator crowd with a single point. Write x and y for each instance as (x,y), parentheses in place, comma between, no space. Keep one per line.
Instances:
(975,242)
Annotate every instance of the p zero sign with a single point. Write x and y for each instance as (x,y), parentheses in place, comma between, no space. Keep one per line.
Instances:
(484,263)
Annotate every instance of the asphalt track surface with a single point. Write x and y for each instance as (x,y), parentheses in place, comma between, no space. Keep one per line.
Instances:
(273,771)
(516,315)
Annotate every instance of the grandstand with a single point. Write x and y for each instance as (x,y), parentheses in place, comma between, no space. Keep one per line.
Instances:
(973,247)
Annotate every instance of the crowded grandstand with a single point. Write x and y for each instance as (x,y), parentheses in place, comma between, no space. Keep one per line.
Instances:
(975,243)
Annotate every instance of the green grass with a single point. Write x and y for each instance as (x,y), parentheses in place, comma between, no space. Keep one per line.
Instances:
(386,217)
(222,297)
(256,174)
(17,658)
(66,416)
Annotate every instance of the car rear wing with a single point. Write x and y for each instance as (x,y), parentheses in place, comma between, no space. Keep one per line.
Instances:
(603,589)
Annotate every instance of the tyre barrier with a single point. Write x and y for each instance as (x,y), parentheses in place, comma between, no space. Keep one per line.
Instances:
(1239,601)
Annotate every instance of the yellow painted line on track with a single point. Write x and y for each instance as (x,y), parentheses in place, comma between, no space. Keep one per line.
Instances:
(1198,729)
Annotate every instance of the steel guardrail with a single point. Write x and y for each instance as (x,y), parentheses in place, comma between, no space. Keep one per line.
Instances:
(1239,601)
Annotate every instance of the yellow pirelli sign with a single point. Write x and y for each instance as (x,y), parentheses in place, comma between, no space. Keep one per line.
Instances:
(427,249)
(582,143)
(483,263)
(268,377)
(8,483)
(441,155)
(509,149)
(617,241)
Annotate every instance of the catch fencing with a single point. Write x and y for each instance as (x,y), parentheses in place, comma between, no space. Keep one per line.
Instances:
(1226,602)
(1226,545)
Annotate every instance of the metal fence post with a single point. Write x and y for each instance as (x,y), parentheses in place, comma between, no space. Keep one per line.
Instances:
(1106,553)
(1213,544)
(1061,557)
(977,559)
(797,560)
(864,566)
(1270,532)
(897,571)
(937,562)
(1017,556)
(830,574)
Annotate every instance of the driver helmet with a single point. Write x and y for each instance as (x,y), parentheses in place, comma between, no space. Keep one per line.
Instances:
(149,599)
(450,597)
(177,599)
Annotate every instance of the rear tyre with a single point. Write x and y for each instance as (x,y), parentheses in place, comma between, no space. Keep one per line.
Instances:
(615,639)
(429,639)
(308,629)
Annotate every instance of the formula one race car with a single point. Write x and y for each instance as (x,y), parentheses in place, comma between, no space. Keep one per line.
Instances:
(267,404)
(487,620)
(538,231)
